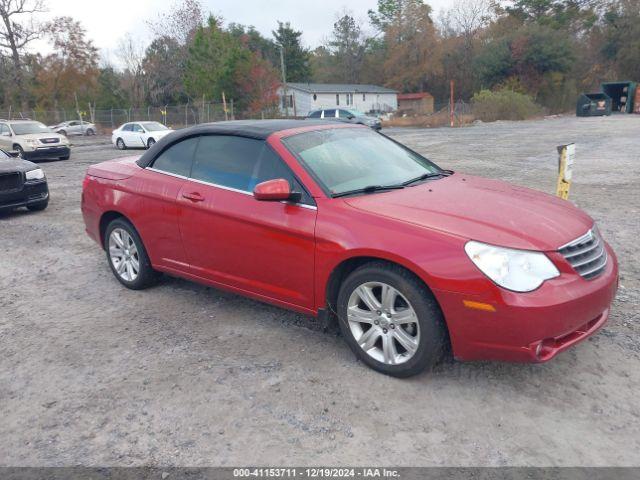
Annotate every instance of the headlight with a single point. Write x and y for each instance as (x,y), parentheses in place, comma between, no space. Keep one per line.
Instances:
(37,174)
(517,270)
(32,141)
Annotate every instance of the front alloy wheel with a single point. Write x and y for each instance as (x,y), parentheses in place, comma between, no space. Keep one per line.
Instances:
(391,320)
(383,323)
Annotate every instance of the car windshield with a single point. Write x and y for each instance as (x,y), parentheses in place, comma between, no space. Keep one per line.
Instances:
(29,127)
(345,159)
(154,126)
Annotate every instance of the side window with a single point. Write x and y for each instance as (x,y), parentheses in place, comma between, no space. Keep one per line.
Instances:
(227,161)
(329,114)
(128,127)
(4,130)
(177,158)
(137,128)
(343,114)
(315,114)
(271,166)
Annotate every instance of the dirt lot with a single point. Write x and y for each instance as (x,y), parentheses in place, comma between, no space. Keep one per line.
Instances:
(94,374)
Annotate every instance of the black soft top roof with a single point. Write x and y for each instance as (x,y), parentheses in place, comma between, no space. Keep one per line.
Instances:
(258,129)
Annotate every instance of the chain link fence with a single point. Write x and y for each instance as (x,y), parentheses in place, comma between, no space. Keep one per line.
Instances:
(174,116)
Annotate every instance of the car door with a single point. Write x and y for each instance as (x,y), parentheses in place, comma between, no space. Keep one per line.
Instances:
(126,133)
(6,142)
(262,248)
(138,136)
(329,114)
(346,116)
(160,183)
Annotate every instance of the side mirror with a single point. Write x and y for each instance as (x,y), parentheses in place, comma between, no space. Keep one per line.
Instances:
(350,117)
(275,191)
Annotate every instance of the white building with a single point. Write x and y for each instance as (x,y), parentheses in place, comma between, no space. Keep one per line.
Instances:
(302,98)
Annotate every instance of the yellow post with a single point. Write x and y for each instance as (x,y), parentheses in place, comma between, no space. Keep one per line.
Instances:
(565,168)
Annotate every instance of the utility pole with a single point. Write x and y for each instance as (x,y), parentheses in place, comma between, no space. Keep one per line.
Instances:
(452,105)
(75,96)
(284,81)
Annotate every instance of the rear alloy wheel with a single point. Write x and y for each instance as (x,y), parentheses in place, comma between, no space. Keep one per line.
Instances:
(90,132)
(62,132)
(120,144)
(127,256)
(391,320)
(150,143)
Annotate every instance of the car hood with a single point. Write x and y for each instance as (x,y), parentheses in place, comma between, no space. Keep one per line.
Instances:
(38,136)
(480,209)
(11,165)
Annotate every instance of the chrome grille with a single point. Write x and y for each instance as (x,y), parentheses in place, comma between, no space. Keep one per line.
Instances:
(49,140)
(586,254)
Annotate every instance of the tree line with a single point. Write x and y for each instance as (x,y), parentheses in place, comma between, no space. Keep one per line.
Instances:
(548,49)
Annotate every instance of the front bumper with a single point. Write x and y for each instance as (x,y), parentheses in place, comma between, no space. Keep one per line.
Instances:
(32,193)
(533,326)
(45,153)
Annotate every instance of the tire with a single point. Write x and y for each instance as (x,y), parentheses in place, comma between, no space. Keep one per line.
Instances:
(89,132)
(150,142)
(120,145)
(62,132)
(37,207)
(20,151)
(422,330)
(133,253)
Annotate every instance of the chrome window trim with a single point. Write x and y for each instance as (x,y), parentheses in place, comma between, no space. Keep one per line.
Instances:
(244,192)
(167,173)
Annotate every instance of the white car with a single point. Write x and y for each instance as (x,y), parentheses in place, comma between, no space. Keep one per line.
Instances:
(33,140)
(138,134)
(74,127)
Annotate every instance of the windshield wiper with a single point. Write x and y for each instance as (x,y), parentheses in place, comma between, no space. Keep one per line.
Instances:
(368,189)
(425,176)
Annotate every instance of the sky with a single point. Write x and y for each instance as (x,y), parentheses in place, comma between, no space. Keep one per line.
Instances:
(108,21)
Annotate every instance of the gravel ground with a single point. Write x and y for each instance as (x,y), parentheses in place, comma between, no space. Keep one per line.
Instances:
(94,374)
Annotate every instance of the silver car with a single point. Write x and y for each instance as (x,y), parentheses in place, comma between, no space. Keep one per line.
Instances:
(74,127)
(348,115)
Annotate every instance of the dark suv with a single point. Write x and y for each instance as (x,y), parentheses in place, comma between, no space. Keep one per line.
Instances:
(22,184)
(346,115)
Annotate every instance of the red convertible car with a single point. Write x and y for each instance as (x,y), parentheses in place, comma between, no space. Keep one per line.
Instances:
(336,220)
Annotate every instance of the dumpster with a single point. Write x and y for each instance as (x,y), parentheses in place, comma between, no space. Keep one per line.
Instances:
(593,105)
(622,95)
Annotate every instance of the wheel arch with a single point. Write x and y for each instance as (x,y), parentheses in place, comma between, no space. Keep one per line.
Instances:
(340,272)
(108,217)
